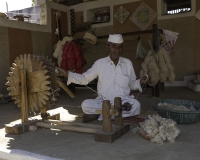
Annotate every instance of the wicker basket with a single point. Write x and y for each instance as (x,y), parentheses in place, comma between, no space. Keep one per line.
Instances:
(90,38)
(179,116)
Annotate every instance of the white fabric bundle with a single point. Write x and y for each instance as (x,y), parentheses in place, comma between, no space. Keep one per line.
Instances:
(170,37)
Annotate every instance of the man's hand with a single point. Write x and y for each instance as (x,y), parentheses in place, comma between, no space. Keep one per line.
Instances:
(145,80)
(61,72)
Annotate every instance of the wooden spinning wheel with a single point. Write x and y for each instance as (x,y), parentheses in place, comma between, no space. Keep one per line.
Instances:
(33,83)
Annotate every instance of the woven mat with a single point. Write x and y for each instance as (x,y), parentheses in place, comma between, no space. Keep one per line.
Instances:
(133,120)
(140,118)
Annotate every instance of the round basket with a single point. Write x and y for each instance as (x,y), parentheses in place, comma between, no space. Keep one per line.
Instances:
(90,38)
(179,116)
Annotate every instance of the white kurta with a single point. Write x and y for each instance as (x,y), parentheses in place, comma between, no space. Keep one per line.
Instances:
(113,81)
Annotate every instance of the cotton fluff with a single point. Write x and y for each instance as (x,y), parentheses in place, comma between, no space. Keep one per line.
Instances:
(32,128)
(160,129)
(175,107)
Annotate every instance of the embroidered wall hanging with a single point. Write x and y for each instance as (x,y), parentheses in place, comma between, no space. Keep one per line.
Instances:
(143,16)
(122,14)
(198,15)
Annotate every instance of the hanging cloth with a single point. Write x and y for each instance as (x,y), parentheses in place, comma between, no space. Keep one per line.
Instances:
(72,57)
(141,52)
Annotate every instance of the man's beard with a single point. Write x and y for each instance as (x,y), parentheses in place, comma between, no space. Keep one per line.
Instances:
(115,56)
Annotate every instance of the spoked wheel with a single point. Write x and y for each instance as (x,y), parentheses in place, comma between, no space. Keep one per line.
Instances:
(41,82)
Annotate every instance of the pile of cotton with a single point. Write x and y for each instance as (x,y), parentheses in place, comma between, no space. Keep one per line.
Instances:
(159,129)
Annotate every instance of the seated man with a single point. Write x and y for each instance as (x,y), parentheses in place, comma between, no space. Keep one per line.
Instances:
(116,78)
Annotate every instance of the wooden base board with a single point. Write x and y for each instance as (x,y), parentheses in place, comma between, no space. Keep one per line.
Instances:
(21,128)
(109,137)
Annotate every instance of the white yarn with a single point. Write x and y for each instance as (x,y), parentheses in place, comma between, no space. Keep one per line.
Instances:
(158,66)
(150,68)
(59,46)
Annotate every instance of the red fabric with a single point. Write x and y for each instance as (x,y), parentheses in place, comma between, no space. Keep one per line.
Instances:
(72,57)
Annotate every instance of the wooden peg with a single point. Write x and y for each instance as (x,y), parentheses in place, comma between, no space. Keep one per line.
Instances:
(113,112)
(107,126)
(117,106)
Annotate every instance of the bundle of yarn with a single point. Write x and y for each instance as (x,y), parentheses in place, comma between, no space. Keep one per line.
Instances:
(58,48)
(158,66)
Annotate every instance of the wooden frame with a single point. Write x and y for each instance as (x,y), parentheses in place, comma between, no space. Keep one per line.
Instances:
(107,133)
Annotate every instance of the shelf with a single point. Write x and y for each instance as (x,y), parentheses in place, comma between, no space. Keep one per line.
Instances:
(99,15)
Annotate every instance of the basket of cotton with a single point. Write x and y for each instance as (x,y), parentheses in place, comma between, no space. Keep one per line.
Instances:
(181,111)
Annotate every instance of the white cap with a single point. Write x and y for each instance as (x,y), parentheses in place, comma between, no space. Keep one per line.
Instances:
(115,38)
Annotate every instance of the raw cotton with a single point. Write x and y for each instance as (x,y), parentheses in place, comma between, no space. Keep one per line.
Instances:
(159,129)
(176,107)
(32,128)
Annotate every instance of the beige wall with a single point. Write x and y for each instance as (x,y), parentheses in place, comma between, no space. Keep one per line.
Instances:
(186,55)
(5,57)
(130,42)
(183,56)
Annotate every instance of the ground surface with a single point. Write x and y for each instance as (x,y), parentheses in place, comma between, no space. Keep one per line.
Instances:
(54,144)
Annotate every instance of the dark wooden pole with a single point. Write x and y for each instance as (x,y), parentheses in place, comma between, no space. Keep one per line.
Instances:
(107,126)
(129,33)
(117,106)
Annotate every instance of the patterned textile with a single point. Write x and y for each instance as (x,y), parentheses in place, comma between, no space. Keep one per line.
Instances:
(143,16)
(133,120)
(122,14)
(198,15)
